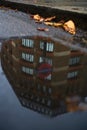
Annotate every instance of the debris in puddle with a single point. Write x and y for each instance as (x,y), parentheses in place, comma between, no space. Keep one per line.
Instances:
(53,24)
(48,23)
(58,24)
(68,26)
(43,29)
(50,19)
(37,18)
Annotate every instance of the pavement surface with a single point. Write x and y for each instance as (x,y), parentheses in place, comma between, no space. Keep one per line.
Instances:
(15,23)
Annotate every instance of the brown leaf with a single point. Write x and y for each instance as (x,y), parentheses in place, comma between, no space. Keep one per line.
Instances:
(49,19)
(57,24)
(43,29)
(37,18)
(69,26)
(48,23)
(53,24)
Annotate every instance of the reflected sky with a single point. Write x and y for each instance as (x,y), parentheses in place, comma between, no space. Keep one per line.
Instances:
(14,116)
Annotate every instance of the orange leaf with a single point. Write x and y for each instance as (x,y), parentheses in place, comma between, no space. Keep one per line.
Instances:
(49,19)
(69,26)
(48,23)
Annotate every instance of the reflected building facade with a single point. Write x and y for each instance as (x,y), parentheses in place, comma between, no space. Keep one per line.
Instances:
(44,72)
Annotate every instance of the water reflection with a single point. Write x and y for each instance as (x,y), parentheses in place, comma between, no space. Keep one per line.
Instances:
(47,77)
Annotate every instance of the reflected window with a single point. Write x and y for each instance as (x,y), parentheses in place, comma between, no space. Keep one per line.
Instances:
(49,102)
(27,57)
(49,90)
(41,59)
(27,70)
(28,43)
(74,60)
(45,59)
(73,74)
(44,89)
(42,44)
(49,47)
(46,46)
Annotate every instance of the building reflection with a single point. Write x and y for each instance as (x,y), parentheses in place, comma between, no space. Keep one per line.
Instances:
(46,76)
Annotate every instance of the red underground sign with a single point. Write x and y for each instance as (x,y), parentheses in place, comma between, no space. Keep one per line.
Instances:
(44,70)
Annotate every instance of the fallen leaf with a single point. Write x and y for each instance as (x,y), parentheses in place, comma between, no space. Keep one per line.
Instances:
(49,19)
(48,23)
(37,18)
(69,26)
(57,24)
(60,23)
(43,29)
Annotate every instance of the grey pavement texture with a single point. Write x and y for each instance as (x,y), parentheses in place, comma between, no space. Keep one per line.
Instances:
(18,24)
(14,24)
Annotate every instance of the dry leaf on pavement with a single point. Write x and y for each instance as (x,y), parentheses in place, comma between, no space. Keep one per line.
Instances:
(43,29)
(69,26)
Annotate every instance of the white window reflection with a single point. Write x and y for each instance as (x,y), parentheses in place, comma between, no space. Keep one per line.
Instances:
(27,70)
(28,43)
(47,46)
(42,45)
(74,60)
(41,59)
(27,57)
(72,74)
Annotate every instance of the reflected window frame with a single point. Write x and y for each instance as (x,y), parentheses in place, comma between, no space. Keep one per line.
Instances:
(27,70)
(48,46)
(27,57)
(28,43)
(74,60)
(72,74)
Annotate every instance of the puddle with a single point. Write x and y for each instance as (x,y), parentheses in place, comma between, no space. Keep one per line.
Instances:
(47,76)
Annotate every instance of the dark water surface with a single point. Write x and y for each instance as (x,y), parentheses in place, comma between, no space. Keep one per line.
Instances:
(13,114)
